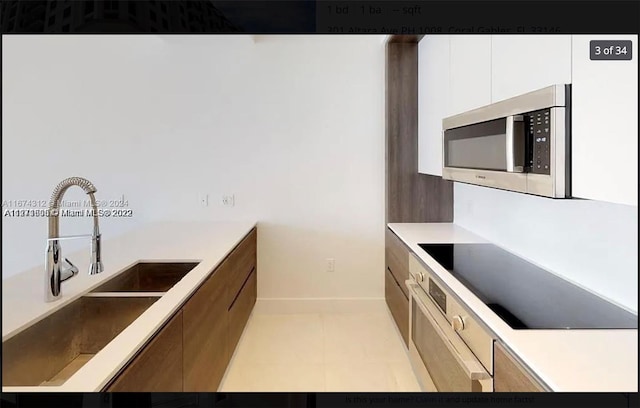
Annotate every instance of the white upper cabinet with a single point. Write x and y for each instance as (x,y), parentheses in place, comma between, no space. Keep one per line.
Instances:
(525,63)
(470,76)
(604,124)
(454,75)
(458,73)
(433,101)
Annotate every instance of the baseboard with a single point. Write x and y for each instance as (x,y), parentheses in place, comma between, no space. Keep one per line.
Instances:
(319,305)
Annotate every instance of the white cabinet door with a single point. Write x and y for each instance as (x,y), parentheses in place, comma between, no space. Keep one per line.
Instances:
(433,101)
(525,63)
(604,124)
(470,81)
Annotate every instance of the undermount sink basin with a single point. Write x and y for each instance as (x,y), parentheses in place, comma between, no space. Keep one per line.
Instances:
(148,277)
(53,349)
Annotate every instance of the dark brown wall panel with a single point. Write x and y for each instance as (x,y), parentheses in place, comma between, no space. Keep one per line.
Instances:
(410,196)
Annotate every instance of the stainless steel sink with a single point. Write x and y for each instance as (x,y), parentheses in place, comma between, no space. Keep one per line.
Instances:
(53,349)
(148,277)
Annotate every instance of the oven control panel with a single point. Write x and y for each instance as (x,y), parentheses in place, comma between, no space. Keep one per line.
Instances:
(539,132)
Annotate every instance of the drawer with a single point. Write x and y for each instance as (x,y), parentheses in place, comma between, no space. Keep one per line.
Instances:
(398,270)
(241,262)
(398,304)
(204,329)
(240,311)
(397,248)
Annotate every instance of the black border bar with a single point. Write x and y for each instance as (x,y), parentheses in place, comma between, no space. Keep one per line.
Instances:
(321,16)
(318,400)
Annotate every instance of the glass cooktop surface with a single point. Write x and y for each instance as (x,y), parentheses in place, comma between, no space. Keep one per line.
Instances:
(524,295)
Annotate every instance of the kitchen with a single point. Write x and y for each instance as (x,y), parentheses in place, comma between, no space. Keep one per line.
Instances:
(208,140)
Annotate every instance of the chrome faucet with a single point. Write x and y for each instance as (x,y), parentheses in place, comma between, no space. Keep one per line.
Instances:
(55,272)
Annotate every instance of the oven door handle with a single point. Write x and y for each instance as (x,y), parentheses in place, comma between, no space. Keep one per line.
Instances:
(464,356)
(511,143)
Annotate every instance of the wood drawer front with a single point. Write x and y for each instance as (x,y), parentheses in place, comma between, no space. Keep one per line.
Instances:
(243,260)
(240,311)
(510,375)
(398,304)
(397,248)
(158,367)
(398,270)
(205,334)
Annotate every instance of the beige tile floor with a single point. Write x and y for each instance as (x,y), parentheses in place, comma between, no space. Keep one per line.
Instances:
(350,352)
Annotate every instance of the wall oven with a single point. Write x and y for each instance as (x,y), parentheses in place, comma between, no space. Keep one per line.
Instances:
(519,144)
(449,350)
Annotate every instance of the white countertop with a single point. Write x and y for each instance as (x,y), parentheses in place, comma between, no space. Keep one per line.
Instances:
(566,360)
(23,294)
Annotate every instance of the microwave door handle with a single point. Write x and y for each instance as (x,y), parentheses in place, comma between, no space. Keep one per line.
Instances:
(510,143)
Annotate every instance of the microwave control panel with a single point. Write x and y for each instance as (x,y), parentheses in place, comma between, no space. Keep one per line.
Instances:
(539,131)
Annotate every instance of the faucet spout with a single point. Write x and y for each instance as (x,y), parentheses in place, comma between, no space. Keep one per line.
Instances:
(55,273)
(56,198)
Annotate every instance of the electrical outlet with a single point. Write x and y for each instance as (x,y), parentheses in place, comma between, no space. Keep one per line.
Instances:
(204,199)
(228,200)
(331,264)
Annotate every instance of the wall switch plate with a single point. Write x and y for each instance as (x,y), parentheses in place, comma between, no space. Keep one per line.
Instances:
(228,200)
(331,264)
(204,200)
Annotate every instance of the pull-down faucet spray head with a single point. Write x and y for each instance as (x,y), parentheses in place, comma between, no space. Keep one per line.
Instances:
(55,274)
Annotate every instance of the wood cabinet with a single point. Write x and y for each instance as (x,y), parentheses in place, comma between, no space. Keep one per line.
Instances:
(511,376)
(470,76)
(158,366)
(604,120)
(433,101)
(205,334)
(398,305)
(397,259)
(191,352)
(243,262)
(240,310)
(395,291)
(241,290)
(525,63)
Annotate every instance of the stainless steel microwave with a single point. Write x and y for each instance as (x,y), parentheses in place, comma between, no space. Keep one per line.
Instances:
(519,144)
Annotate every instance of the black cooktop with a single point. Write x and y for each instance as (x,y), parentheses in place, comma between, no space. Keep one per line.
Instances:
(524,295)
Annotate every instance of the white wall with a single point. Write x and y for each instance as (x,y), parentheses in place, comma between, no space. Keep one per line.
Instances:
(591,243)
(293,126)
